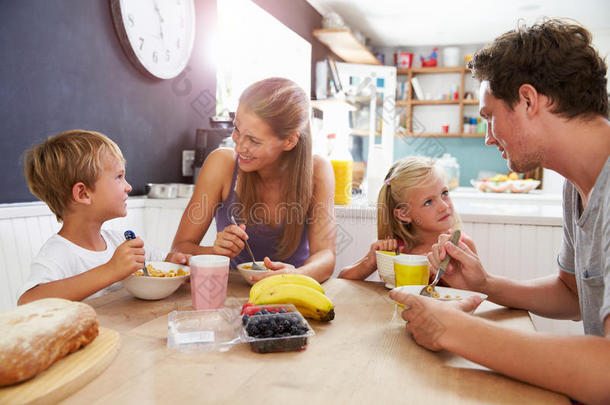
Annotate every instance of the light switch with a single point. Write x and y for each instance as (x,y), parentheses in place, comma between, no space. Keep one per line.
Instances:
(188,158)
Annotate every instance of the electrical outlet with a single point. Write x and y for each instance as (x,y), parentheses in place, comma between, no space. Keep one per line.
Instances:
(188,158)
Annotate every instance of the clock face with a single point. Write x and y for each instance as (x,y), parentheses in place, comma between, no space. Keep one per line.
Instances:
(157,35)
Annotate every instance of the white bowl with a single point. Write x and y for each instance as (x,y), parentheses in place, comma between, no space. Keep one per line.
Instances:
(155,288)
(445,293)
(245,269)
(385,267)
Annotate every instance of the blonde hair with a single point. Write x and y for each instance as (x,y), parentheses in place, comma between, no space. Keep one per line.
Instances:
(284,106)
(53,167)
(404,175)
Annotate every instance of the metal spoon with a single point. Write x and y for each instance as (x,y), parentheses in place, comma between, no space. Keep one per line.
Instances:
(429,290)
(131,235)
(255,266)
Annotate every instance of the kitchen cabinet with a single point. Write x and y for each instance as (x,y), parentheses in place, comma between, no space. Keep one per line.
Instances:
(411,102)
(344,44)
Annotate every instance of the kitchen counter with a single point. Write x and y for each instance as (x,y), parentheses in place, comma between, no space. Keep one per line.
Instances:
(478,207)
(363,356)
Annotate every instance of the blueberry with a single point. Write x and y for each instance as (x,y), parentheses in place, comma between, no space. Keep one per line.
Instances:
(244,319)
(264,312)
(282,311)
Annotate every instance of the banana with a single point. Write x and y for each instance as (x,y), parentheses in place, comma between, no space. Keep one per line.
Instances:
(271,281)
(313,303)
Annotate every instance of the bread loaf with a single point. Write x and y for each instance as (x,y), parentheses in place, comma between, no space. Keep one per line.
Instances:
(35,335)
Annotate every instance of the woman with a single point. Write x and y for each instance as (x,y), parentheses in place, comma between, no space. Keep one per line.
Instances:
(271,185)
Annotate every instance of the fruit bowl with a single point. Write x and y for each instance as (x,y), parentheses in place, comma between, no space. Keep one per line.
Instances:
(246,271)
(506,186)
(159,286)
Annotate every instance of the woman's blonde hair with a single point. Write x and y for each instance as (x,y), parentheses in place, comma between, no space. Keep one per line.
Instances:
(284,106)
(404,175)
(53,167)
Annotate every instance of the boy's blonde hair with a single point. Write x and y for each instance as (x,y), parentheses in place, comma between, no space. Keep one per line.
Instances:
(404,175)
(53,167)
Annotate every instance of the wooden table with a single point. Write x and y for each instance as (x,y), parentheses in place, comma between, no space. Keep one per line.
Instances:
(363,356)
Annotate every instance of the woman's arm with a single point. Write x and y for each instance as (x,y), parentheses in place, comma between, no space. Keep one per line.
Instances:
(215,176)
(323,225)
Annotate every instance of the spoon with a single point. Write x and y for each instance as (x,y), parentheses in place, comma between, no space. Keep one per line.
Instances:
(429,291)
(255,266)
(131,235)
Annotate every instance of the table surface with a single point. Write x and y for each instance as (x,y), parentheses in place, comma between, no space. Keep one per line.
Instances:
(364,355)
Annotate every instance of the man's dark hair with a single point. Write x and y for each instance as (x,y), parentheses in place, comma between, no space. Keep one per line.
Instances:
(554,56)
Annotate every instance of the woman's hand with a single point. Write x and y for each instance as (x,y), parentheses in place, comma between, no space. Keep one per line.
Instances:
(465,270)
(276,268)
(428,320)
(230,241)
(178,258)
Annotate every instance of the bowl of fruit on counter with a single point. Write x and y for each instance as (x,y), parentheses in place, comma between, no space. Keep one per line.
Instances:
(505,183)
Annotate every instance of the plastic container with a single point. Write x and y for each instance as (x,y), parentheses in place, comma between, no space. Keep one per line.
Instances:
(451,56)
(377,168)
(282,317)
(221,329)
(451,168)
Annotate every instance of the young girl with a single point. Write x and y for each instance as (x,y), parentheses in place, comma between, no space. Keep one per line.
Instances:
(271,184)
(413,209)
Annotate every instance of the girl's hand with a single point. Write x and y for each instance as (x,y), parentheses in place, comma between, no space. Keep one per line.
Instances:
(381,244)
(178,258)
(276,268)
(230,241)
(465,270)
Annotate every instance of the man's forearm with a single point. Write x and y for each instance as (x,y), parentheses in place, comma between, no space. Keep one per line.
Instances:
(575,365)
(548,296)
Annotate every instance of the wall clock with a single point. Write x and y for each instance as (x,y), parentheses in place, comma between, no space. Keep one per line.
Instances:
(156,35)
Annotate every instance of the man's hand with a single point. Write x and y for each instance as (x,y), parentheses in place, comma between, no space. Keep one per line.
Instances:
(465,270)
(428,319)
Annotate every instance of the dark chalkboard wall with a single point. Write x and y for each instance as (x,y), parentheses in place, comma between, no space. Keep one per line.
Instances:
(62,68)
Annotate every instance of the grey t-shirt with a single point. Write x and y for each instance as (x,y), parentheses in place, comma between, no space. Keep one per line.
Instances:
(585,250)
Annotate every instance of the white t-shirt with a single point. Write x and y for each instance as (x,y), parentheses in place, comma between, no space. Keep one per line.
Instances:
(59,259)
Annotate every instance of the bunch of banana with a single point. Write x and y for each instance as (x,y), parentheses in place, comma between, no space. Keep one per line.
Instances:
(305,293)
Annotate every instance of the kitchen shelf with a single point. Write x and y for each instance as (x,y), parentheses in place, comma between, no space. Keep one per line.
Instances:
(344,44)
(410,102)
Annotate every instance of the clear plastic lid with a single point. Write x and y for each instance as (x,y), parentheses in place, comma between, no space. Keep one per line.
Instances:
(221,329)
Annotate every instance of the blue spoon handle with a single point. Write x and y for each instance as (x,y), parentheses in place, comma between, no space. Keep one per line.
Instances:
(131,235)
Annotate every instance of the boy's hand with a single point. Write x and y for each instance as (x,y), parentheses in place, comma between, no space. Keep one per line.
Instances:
(128,258)
(178,258)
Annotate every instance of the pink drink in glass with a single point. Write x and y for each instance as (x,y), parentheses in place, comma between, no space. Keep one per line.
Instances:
(209,278)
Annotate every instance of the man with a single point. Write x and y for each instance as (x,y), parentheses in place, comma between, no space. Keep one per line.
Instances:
(543,93)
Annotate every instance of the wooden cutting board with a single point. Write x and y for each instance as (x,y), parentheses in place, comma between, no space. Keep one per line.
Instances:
(67,375)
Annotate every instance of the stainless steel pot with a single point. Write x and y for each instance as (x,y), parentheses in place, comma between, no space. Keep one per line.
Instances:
(160,190)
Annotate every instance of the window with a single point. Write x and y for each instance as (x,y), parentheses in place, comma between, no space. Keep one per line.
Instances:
(252,46)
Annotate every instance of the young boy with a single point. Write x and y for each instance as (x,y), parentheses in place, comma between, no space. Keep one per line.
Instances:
(81,176)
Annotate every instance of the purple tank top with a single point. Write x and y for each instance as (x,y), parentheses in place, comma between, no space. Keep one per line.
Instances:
(263,238)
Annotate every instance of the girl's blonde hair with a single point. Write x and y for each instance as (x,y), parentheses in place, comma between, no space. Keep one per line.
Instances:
(284,106)
(404,175)
(53,167)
